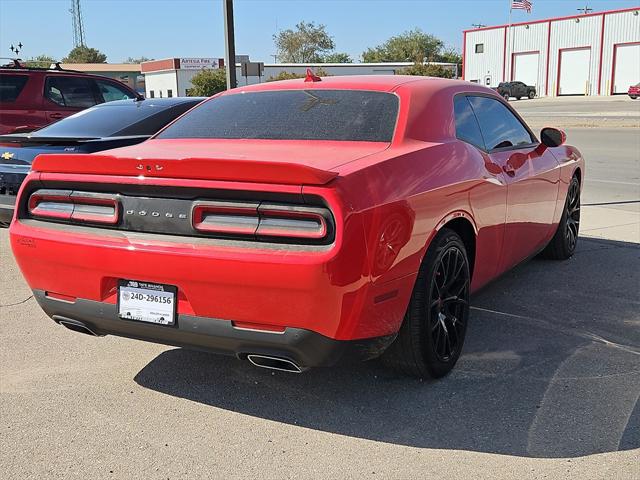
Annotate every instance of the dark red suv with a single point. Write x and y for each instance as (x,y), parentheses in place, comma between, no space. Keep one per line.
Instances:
(33,97)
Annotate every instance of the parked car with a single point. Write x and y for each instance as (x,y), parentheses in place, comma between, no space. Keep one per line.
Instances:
(517,90)
(634,91)
(302,223)
(108,125)
(31,98)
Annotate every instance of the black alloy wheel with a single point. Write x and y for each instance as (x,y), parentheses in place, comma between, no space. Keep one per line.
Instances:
(573,215)
(449,301)
(564,242)
(432,334)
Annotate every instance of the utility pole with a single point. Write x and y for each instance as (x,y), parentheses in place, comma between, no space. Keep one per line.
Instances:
(586,9)
(229,44)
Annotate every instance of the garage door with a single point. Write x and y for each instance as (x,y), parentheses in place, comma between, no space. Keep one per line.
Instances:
(627,67)
(574,71)
(525,68)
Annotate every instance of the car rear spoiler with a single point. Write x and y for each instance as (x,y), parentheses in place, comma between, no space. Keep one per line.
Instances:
(29,139)
(239,170)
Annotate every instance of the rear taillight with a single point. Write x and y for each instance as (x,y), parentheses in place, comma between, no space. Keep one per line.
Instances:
(88,207)
(228,218)
(264,220)
(292,221)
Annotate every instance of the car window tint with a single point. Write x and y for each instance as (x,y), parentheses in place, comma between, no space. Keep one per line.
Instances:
(111,91)
(467,128)
(11,86)
(292,115)
(107,120)
(500,127)
(157,121)
(69,91)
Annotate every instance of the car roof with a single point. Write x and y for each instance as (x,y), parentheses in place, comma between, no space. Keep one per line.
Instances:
(151,102)
(383,83)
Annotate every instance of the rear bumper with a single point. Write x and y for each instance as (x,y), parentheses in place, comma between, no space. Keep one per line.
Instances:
(303,347)
(7,205)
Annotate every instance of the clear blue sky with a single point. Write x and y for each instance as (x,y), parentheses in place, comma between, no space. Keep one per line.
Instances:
(194,28)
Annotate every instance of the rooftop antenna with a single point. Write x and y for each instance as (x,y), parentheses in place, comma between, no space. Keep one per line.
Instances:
(478,25)
(585,9)
(78,27)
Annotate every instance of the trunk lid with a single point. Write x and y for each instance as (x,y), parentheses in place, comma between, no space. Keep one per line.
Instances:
(266,161)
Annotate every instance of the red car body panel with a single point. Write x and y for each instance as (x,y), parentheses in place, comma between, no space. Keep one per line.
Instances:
(388,200)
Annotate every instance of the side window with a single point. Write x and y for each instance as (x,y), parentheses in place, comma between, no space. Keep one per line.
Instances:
(500,127)
(112,91)
(69,91)
(11,86)
(467,128)
(479,47)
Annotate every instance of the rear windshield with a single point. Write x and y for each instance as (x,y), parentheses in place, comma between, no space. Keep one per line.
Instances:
(11,86)
(353,115)
(108,120)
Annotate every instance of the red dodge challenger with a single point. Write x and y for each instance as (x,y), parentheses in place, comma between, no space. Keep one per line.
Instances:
(300,223)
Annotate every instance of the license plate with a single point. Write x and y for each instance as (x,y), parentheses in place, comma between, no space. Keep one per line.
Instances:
(147,302)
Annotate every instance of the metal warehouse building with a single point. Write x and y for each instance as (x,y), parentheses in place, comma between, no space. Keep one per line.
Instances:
(593,54)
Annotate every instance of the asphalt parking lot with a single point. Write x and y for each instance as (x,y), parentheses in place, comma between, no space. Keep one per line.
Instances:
(547,386)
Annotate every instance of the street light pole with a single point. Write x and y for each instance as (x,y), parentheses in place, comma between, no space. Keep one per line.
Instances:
(229,44)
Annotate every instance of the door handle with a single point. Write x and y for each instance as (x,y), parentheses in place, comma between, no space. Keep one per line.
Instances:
(56,115)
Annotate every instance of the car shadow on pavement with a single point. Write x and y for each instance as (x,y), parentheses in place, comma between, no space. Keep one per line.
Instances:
(551,368)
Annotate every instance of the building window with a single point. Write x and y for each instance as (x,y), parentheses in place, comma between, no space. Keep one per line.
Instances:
(479,47)
(152,94)
(169,93)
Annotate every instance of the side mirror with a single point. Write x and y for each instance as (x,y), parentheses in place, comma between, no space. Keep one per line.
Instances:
(552,137)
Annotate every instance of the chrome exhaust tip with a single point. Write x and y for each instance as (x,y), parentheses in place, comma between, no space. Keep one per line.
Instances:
(77,327)
(273,363)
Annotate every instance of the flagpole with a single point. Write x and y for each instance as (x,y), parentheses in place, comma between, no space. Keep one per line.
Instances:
(508,47)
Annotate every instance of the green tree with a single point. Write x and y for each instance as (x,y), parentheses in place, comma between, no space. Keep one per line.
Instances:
(43,61)
(291,76)
(307,43)
(449,55)
(426,70)
(208,82)
(138,60)
(337,58)
(84,54)
(411,46)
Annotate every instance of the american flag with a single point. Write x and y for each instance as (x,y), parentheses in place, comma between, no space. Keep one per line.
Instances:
(521,5)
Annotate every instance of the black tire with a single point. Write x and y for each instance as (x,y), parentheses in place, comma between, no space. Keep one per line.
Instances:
(506,96)
(532,95)
(432,334)
(633,97)
(518,98)
(564,242)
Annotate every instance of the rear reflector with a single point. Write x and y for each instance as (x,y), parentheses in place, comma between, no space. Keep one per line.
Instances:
(70,205)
